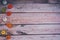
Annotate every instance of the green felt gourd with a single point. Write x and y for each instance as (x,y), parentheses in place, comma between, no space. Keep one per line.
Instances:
(3,10)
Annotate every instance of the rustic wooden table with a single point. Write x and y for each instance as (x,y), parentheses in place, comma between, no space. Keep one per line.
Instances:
(37,21)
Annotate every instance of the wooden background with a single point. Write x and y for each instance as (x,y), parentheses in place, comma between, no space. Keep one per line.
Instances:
(42,22)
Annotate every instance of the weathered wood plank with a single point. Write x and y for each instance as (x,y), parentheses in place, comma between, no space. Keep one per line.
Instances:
(33,29)
(37,29)
(34,37)
(37,37)
(32,18)
(35,8)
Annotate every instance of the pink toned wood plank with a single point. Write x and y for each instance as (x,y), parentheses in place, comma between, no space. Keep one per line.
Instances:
(35,8)
(32,18)
(2,38)
(33,37)
(36,37)
(33,29)
(37,29)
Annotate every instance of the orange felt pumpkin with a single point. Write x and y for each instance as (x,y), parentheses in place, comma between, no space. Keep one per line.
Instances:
(8,37)
(9,25)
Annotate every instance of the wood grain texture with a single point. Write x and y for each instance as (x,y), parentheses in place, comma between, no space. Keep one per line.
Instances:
(32,18)
(33,29)
(35,8)
(42,14)
(37,37)
(34,37)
